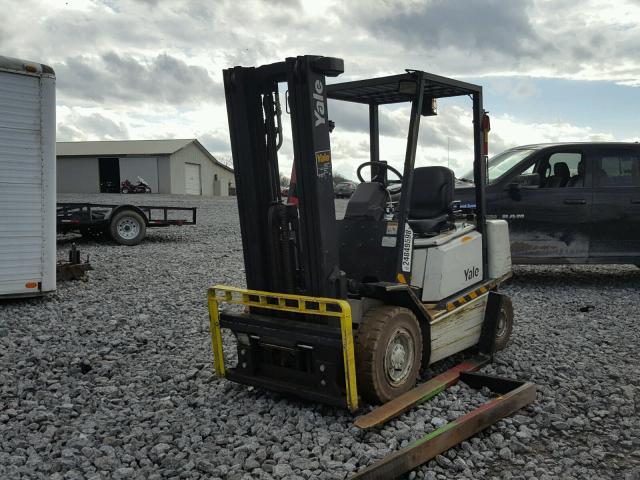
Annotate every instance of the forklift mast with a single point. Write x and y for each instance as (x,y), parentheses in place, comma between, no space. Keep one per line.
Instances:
(287,248)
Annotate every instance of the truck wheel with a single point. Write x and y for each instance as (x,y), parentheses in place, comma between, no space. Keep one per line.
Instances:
(505,323)
(127,227)
(388,353)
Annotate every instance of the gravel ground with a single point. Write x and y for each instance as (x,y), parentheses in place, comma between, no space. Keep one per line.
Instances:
(111,378)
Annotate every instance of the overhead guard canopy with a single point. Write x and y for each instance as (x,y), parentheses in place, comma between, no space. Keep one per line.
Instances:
(398,88)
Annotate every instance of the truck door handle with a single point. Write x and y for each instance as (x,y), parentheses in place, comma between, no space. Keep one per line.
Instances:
(575,201)
(635,200)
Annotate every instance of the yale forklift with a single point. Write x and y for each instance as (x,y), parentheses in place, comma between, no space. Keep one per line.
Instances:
(339,310)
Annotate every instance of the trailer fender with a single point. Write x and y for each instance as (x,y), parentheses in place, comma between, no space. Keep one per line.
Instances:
(126,206)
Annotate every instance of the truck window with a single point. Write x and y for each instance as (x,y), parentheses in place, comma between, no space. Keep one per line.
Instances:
(504,162)
(618,169)
(501,164)
(561,169)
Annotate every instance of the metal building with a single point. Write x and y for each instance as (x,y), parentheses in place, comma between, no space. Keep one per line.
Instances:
(181,166)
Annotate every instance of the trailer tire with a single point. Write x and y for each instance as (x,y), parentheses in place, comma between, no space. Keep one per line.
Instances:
(504,323)
(127,227)
(388,353)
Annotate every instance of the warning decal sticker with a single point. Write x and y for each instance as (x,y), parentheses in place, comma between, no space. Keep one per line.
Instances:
(323,163)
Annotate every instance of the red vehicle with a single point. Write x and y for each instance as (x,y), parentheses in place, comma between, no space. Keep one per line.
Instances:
(141,187)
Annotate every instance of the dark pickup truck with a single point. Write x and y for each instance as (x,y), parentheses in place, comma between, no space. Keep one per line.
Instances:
(566,202)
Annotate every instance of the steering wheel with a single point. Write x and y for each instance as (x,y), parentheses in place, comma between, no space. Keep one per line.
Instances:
(378,164)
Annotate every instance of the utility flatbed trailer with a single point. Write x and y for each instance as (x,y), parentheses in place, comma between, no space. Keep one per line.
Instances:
(126,224)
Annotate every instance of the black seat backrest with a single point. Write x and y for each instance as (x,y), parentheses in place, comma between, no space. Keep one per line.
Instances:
(431,193)
(561,169)
(368,200)
(578,180)
(560,176)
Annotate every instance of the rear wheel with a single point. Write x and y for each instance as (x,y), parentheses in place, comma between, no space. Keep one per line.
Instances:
(388,353)
(504,324)
(127,227)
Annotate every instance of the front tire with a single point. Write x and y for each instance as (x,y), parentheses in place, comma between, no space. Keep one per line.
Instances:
(127,227)
(388,353)
(504,323)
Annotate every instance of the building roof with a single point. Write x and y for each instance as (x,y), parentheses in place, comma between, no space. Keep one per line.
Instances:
(130,147)
(121,147)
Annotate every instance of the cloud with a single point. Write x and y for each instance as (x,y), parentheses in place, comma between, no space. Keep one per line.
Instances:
(152,68)
(441,24)
(124,79)
(517,89)
(513,131)
(215,142)
(76,126)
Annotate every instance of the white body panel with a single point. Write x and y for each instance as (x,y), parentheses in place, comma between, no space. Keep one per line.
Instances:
(451,267)
(499,248)
(456,331)
(27,184)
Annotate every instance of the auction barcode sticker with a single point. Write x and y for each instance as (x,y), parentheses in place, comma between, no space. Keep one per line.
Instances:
(407,248)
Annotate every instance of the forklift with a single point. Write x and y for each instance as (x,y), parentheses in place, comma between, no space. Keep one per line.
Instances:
(340,311)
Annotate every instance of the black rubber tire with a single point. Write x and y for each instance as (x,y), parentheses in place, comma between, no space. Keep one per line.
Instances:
(133,217)
(506,310)
(372,338)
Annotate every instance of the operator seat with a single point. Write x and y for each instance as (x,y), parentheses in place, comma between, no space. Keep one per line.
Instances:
(560,176)
(430,208)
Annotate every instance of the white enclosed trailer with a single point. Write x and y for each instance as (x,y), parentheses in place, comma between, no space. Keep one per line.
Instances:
(27,178)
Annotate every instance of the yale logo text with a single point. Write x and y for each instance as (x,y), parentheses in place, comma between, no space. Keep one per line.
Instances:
(320,111)
(471,273)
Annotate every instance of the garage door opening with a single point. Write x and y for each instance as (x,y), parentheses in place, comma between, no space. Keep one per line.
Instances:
(109,171)
(192,184)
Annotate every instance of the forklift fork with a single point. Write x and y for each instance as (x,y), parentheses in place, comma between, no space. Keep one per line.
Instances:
(513,395)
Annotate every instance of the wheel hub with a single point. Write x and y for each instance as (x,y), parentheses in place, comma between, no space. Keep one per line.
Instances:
(399,356)
(128,228)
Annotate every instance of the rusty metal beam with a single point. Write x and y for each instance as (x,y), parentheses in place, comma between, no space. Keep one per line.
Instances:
(451,434)
(420,394)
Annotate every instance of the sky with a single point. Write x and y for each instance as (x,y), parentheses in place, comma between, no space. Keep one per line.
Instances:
(551,70)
